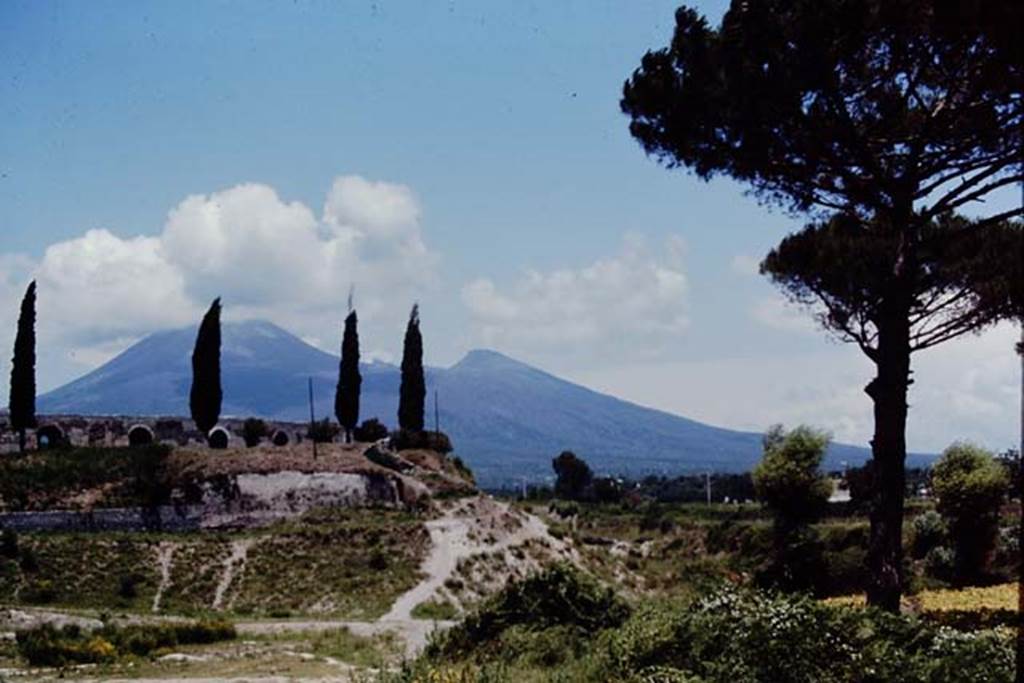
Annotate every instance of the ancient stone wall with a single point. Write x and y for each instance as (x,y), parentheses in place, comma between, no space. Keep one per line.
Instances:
(83,430)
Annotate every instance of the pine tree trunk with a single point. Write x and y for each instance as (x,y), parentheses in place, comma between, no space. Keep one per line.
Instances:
(888,391)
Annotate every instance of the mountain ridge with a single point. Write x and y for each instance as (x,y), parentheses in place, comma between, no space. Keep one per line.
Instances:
(507,418)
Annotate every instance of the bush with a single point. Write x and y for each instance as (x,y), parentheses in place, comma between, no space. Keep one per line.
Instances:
(939,563)
(39,592)
(929,532)
(407,439)
(731,635)
(253,431)
(323,431)
(48,646)
(970,486)
(370,430)
(560,596)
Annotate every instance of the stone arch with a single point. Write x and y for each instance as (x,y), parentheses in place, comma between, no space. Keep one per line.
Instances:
(50,436)
(140,435)
(280,438)
(218,438)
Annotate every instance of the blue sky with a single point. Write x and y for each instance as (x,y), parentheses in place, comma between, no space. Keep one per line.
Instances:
(527,219)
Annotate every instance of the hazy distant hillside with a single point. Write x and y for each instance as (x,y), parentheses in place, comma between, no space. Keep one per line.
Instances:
(507,419)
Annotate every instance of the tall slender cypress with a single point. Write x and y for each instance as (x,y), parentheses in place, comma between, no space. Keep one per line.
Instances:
(346,397)
(413,391)
(22,403)
(205,397)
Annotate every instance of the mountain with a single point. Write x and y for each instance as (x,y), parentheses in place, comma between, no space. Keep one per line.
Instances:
(506,419)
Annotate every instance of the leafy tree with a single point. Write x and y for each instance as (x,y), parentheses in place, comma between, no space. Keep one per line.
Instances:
(346,397)
(413,391)
(205,395)
(22,403)
(789,481)
(970,486)
(894,114)
(572,476)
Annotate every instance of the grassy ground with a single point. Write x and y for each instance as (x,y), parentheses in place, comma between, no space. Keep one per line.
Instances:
(332,653)
(349,563)
(679,550)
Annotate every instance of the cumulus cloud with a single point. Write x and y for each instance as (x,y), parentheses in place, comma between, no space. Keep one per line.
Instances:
(633,301)
(267,257)
(99,287)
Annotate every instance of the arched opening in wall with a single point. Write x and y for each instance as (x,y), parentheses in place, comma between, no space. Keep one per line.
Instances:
(140,435)
(50,436)
(280,438)
(218,438)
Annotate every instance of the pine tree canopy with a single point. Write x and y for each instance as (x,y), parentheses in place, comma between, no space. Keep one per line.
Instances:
(967,276)
(863,106)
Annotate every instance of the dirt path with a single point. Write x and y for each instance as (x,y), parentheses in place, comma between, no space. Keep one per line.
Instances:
(233,566)
(164,558)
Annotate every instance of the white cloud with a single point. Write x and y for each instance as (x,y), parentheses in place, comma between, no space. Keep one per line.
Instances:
(633,301)
(265,256)
(100,287)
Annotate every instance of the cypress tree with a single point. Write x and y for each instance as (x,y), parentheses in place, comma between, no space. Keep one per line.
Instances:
(205,397)
(346,397)
(22,403)
(413,391)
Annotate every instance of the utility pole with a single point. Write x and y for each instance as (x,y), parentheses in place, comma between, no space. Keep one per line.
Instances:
(312,420)
(437,416)
(707,486)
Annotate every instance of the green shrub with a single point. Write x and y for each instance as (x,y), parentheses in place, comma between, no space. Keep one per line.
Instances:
(559,596)
(929,532)
(408,439)
(48,646)
(939,563)
(323,431)
(731,635)
(254,430)
(39,592)
(370,430)
(436,610)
